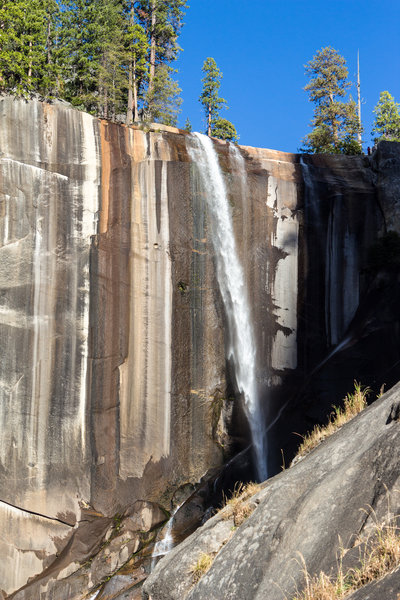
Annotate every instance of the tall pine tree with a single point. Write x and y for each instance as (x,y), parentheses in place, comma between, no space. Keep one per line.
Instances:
(105,56)
(164,98)
(94,55)
(136,48)
(27,39)
(107,26)
(335,124)
(387,119)
(77,53)
(212,103)
(162,22)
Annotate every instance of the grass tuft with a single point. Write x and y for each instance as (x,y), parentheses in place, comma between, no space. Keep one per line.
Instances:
(237,505)
(379,556)
(353,404)
(201,567)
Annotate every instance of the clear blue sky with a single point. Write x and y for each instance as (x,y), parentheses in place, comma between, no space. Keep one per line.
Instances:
(261,47)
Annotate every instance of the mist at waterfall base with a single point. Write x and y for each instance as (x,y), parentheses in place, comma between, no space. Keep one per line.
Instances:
(241,348)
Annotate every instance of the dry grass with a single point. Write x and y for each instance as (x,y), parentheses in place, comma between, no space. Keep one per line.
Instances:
(238,506)
(380,555)
(201,567)
(320,587)
(353,404)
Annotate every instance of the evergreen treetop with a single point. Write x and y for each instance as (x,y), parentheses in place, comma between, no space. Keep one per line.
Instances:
(108,57)
(387,119)
(212,103)
(335,123)
(27,33)
(209,97)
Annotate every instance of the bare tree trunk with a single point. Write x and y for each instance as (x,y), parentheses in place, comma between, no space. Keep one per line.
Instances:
(135,93)
(209,121)
(129,109)
(48,42)
(359,95)
(334,126)
(105,104)
(30,64)
(1,76)
(152,46)
(104,88)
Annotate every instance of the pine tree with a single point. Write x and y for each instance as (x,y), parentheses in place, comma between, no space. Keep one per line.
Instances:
(212,103)
(224,130)
(110,75)
(188,125)
(163,100)
(335,124)
(104,56)
(26,40)
(11,57)
(52,71)
(351,130)
(78,53)
(162,22)
(210,98)
(137,48)
(94,55)
(387,119)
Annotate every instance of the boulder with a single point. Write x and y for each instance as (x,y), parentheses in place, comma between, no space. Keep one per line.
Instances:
(305,517)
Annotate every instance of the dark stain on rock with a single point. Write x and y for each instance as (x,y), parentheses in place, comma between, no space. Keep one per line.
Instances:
(394,414)
(109,315)
(158,166)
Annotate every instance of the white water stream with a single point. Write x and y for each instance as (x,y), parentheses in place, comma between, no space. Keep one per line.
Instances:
(241,349)
(165,545)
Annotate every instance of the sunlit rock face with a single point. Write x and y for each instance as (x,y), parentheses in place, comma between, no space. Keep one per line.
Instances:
(112,341)
(114,386)
(49,192)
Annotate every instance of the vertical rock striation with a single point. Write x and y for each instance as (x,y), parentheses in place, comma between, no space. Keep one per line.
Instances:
(49,178)
(114,386)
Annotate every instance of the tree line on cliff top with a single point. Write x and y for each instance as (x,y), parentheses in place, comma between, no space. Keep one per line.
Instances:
(115,59)
(336,124)
(105,56)
(112,58)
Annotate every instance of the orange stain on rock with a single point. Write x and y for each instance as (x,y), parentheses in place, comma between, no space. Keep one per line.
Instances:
(105,175)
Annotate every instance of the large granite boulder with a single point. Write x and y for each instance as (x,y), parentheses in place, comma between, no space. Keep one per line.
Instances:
(303,517)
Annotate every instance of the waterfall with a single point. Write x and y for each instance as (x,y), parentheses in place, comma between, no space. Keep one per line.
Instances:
(241,347)
(165,545)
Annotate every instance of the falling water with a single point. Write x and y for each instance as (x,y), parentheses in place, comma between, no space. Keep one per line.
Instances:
(343,344)
(241,349)
(165,545)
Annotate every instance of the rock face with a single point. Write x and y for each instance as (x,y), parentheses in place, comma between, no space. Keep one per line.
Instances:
(303,518)
(114,385)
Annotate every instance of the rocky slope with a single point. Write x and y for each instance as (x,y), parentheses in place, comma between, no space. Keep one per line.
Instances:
(305,516)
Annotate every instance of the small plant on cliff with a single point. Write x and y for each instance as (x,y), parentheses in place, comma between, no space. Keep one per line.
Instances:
(199,568)
(353,404)
(379,554)
(237,506)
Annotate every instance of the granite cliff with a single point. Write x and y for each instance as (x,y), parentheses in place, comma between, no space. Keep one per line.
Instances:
(116,395)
